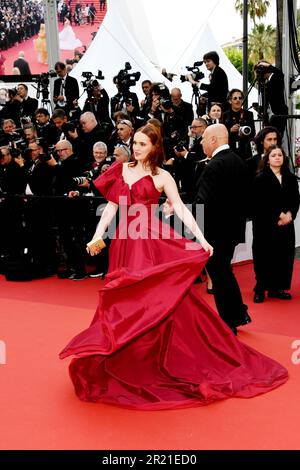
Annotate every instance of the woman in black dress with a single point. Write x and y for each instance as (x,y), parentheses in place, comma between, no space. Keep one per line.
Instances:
(275,203)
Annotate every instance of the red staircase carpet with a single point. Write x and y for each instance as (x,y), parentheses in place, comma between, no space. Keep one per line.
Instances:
(83,32)
(39,410)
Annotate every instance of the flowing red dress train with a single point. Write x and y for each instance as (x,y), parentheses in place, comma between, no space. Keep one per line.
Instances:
(154,343)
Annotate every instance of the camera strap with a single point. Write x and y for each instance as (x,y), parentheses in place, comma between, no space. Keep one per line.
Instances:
(62,104)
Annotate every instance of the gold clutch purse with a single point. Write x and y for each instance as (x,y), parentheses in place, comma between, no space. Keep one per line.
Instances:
(95,246)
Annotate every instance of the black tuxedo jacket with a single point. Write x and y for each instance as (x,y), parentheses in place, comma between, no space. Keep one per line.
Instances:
(223,189)
(29,106)
(40,178)
(23,66)
(71,91)
(217,89)
(185,110)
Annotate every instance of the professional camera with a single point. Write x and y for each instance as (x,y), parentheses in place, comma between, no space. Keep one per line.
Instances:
(91,81)
(70,126)
(262,69)
(90,175)
(47,150)
(14,151)
(43,83)
(244,131)
(125,80)
(18,142)
(79,180)
(165,103)
(180,144)
(195,72)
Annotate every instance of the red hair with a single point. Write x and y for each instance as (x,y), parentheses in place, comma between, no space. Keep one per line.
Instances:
(156,156)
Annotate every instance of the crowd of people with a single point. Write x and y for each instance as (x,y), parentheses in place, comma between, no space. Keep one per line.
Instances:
(109,124)
(56,168)
(19,20)
(82,14)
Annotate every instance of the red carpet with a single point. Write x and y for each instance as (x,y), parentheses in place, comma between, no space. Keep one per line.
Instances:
(40,411)
(83,32)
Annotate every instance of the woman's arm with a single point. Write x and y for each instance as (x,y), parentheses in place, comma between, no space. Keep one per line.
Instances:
(182,212)
(108,214)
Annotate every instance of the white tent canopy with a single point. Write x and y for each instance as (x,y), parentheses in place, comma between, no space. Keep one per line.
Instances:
(152,35)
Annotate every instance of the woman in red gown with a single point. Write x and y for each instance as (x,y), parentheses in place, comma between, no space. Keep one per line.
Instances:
(154,343)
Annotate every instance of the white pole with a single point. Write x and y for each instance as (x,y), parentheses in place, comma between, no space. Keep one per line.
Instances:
(51,25)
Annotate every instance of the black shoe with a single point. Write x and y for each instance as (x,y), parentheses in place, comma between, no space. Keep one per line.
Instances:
(279,294)
(244,320)
(65,273)
(78,276)
(259,297)
(95,274)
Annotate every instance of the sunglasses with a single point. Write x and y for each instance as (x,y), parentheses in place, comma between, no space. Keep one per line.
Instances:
(125,123)
(240,98)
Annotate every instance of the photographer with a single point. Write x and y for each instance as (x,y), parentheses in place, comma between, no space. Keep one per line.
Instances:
(38,212)
(12,107)
(26,105)
(66,90)
(145,103)
(97,102)
(125,133)
(126,100)
(271,86)
(217,89)
(39,170)
(186,168)
(8,132)
(12,171)
(85,138)
(12,182)
(70,212)
(157,92)
(45,129)
(240,124)
(184,109)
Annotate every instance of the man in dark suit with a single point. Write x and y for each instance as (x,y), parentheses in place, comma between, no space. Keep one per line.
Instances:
(222,188)
(66,90)
(22,64)
(271,86)
(186,165)
(25,105)
(184,109)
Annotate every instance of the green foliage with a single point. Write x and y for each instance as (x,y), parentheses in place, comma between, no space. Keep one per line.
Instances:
(256,8)
(236,58)
(262,43)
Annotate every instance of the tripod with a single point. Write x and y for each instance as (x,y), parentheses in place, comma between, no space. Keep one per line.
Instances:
(42,90)
(196,99)
(261,107)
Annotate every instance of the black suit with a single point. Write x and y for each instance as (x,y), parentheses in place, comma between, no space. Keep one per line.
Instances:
(222,188)
(274,90)
(23,66)
(71,214)
(185,110)
(71,92)
(26,108)
(217,89)
(240,144)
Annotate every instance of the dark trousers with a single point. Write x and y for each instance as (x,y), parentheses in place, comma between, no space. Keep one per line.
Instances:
(227,293)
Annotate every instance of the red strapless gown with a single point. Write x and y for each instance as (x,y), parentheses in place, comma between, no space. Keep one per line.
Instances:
(154,343)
